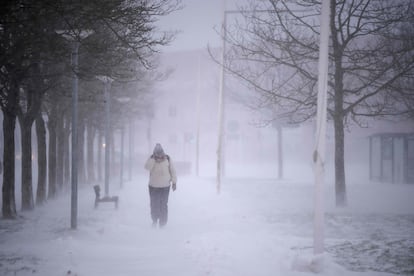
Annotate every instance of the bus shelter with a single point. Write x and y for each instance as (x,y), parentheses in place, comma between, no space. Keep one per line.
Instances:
(391,157)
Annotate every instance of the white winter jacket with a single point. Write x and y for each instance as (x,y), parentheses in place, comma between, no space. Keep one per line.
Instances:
(161,173)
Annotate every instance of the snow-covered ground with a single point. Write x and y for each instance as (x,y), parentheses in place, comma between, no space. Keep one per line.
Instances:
(254,227)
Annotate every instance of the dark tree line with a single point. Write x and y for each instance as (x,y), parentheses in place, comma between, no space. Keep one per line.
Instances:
(274,48)
(36,43)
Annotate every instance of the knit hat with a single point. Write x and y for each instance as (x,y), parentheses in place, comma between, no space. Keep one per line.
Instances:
(158,152)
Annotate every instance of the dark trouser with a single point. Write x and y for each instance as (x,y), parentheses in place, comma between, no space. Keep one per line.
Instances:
(159,204)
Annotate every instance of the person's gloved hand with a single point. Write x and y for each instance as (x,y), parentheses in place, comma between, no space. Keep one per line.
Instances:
(174,186)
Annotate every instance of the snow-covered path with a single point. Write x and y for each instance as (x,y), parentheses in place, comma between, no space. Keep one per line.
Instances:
(254,227)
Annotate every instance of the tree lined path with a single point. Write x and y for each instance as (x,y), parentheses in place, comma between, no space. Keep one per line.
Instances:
(254,227)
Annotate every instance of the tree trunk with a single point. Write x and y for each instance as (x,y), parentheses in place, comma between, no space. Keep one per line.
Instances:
(81,151)
(9,201)
(340,186)
(27,188)
(338,113)
(27,112)
(52,156)
(90,158)
(99,161)
(338,118)
(41,160)
(60,135)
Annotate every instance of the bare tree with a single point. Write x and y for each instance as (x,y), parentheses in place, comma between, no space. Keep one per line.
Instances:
(28,38)
(274,49)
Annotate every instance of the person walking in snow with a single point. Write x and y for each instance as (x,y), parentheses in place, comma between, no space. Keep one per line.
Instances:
(162,176)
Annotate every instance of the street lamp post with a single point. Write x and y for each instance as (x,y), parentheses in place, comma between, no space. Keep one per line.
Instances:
(74,171)
(221,164)
(149,112)
(75,36)
(122,100)
(107,83)
(107,136)
(220,151)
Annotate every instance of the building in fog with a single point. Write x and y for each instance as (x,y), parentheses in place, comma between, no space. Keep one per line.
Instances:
(185,115)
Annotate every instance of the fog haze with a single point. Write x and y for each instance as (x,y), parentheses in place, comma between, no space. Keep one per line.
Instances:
(198,24)
(261,222)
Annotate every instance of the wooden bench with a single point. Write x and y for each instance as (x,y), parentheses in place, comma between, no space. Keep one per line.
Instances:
(98,198)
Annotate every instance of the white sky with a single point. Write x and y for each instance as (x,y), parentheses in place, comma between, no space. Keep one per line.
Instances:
(197,23)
